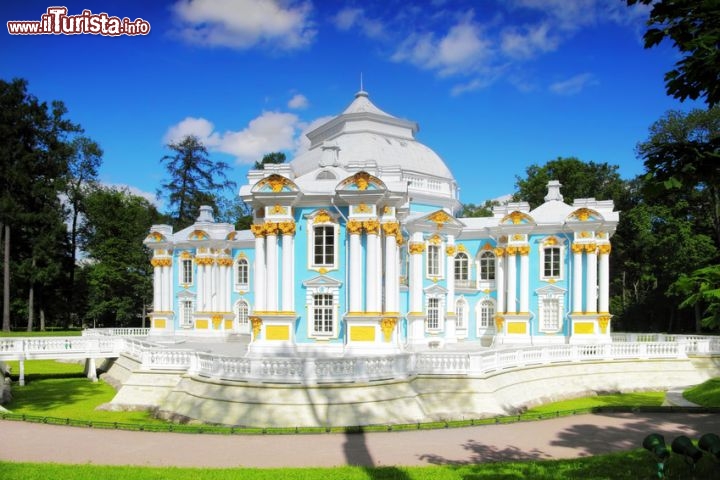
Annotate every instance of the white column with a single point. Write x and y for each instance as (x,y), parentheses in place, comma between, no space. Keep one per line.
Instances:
(227,307)
(512,282)
(577,293)
(166,299)
(392,280)
(450,251)
(500,280)
(604,301)
(525,280)
(591,279)
(271,281)
(288,272)
(356,288)
(200,282)
(157,288)
(415,249)
(215,286)
(372,271)
(259,280)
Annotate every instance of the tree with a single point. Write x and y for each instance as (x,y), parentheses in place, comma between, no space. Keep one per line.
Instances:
(701,289)
(682,159)
(195,180)
(694,28)
(270,158)
(117,268)
(33,162)
(579,180)
(484,210)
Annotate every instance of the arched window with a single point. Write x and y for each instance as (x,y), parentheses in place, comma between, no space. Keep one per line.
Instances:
(461,313)
(486,314)
(242,315)
(462,269)
(242,274)
(487,266)
(326,175)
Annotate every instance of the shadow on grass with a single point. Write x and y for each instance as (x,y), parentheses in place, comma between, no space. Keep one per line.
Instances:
(357,454)
(53,392)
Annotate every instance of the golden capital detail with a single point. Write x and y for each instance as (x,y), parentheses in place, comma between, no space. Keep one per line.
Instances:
(258,229)
(450,250)
(287,228)
(416,247)
(161,262)
(499,251)
(354,227)
(387,325)
(605,249)
(372,227)
(603,322)
(523,250)
(225,261)
(590,248)
(256,325)
(204,260)
(578,247)
(391,228)
(511,250)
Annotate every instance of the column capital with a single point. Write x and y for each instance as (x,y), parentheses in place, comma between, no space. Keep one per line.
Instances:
(258,229)
(391,228)
(511,250)
(590,248)
(287,228)
(372,227)
(354,227)
(604,249)
(161,262)
(577,247)
(524,250)
(416,248)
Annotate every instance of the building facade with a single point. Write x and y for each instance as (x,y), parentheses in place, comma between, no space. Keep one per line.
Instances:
(356,247)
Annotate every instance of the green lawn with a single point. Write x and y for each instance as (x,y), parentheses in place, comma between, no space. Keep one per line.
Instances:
(47,333)
(706,394)
(639,399)
(637,464)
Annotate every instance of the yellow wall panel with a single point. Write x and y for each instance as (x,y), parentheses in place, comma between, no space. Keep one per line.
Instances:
(159,323)
(583,328)
(201,324)
(518,328)
(362,334)
(277,332)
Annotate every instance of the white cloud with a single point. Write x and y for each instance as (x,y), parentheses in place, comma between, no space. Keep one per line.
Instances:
(244,24)
(349,17)
(463,48)
(298,102)
(268,132)
(528,41)
(573,85)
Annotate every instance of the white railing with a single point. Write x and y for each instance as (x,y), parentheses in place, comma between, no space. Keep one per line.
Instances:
(116,332)
(23,348)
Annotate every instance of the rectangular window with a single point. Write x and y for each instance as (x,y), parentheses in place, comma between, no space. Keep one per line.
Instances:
(323,314)
(186,311)
(433,261)
(324,246)
(487,314)
(462,267)
(187,272)
(242,272)
(433,314)
(551,262)
(487,266)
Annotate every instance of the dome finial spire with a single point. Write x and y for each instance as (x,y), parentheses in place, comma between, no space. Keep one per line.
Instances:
(362,92)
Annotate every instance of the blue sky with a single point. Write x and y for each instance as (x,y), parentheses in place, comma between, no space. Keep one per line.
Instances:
(494,85)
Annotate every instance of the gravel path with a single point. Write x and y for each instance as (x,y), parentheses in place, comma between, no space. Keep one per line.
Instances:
(567,437)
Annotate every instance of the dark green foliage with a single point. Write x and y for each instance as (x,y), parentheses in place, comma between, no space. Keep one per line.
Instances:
(694,28)
(484,210)
(270,158)
(195,180)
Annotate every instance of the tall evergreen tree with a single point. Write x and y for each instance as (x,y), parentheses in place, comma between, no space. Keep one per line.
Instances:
(195,180)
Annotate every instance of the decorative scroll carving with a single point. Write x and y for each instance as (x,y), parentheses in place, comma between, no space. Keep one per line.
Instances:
(590,247)
(372,227)
(440,218)
(387,325)
(416,248)
(287,228)
(511,250)
(450,250)
(391,228)
(578,247)
(354,227)
(605,248)
(603,322)
(204,260)
(523,250)
(499,322)
(161,262)
(258,229)
(256,325)
(362,180)
(435,240)
(499,251)
(322,217)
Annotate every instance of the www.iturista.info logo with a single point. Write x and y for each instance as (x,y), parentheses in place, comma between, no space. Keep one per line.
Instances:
(56,21)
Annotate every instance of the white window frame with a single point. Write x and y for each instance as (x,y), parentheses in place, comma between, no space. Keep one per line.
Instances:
(316,308)
(487,263)
(460,259)
(239,284)
(311,226)
(186,310)
(560,262)
(461,314)
(186,271)
(434,270)
(242,316)
(486,309)
(433,314)
(547,295)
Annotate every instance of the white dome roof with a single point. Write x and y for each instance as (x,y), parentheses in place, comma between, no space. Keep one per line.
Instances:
(363,133)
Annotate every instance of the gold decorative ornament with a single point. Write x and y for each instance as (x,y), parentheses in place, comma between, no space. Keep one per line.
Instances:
(461,248)
(601,234)
(256,325)
(155,236)
(582,214)
(231,235)
(585,235)
(362,208)
(523,250)
(198,235)
(511,250)
(440,217)
(278,210)
(354,227)
(605,248)
(204,260)
(450,250)
(518,237)
(287,228)
(322,270)
(416,248)
(435,239)
(258,230)
(604,321)
(161,262)
(499,251)
(486,247)
(322,217)
(387,325)
(216,321)
(185,255)
(372,227)
(499,321)
(362,180)
(517,217)
(276,182)
(550,241)
(391,228)
(224,261)
(590,247)
(387,210)
(578,247)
